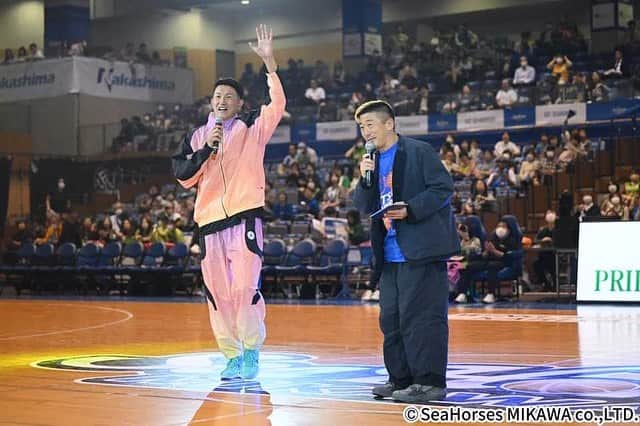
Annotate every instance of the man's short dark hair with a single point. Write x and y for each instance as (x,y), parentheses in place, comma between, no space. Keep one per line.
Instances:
(375,106)
(231,83)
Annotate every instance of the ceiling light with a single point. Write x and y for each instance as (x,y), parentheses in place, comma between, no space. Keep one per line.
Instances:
(245,2)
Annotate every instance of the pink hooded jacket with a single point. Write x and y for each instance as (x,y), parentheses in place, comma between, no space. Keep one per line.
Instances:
(232,181)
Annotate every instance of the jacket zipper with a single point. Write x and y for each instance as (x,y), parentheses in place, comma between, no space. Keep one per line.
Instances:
(224,179)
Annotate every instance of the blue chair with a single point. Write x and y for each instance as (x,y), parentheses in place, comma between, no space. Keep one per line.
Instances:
(176,258)
(87,258)
(296,260)
(131,258)
(109,257)
(273,254)
(43,258)
(154,255)
(66,257)
(331,263)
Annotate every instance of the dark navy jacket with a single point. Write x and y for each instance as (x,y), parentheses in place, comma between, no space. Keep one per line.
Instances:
(429,232)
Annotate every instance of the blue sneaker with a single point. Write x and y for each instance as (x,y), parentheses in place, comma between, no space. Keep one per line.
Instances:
(250,364)
(232,371)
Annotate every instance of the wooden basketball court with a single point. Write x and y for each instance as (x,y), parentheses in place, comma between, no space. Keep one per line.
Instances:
(150,363)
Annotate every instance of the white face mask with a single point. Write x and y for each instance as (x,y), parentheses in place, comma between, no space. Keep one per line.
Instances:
(61,186)
(530,158)
(501,232)
(587,201)
(550,217)
(558,60)
(449,140)
(550,154)
(615,201)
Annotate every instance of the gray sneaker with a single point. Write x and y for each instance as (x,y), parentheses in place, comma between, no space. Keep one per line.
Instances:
(385,391)
(419,394)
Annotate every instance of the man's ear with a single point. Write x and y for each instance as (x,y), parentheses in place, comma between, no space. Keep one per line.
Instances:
(241,105)
(390,124)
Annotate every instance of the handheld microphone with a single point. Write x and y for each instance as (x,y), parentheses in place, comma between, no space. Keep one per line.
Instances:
(216,144)
(370,148)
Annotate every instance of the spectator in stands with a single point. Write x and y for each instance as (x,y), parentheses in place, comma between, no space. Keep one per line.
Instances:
(294,177)
(128,232)
(525,74)
(549,165)
(9,57)
(355,180)
(471,249)
(465,38)
(572,93)
(466,167)
(78,48)
(88,230)
(160,232)
(449,163)
(306,155)
(144,233)
(631,36)
(142,55)
(106,234)
(480,194)
(34,53)
(485,165)
(311,174)
(559,67)
(128,53)
(467,101)
(315,93)
(598,91)
(58,200)
(333,196)
(549,37)
(587,208)
(530,169)
(339,75)
(320,73)
(613,207)
(544,266)
(356,152)
(571,152)
(355,229)
(248,75)
(53,231)
(499,243)
(620,68)
(475,152)
(422,101)
(408,77)
(449,145)
(308,198)
(22,54)
(504,175)
(21,235)
(174,233)
(506,96)
(504,145)
(71,231)
(403,100)
(282,210)
(285,167)
(631,190)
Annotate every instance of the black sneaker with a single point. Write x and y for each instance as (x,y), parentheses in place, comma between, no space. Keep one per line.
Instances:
(419,394)
(386,390)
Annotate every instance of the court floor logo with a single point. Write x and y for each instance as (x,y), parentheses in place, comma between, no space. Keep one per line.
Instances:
(300,375)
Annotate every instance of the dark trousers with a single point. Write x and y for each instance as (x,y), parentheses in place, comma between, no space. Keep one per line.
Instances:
(413,320)
(492,266)
(545,264)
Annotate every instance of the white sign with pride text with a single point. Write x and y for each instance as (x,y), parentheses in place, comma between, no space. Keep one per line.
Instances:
(608,262)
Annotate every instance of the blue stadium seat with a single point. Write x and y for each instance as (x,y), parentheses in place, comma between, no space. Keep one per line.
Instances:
(330,264)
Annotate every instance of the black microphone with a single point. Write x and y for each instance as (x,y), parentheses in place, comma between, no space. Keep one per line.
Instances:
(370,147)
(216,144)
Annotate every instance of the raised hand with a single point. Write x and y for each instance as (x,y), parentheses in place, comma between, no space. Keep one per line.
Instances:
(264,46)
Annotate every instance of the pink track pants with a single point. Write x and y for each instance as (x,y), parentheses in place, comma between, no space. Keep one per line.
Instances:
(231,271)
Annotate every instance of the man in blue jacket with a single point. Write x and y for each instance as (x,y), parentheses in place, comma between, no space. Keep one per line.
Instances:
(411,244)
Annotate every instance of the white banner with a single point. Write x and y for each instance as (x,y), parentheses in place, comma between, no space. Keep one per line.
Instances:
(481,120)
(412,125)
(34,80)
(336,131)
(551,115)
(611,275)
(95,77)
(101,78)
(281,135)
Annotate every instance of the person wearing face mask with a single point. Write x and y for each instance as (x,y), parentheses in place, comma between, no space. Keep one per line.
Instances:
(608,208)
(631,189)
(544,266)
(525,74)
(587,209)
(559,67)
(58,201)
(549,164)
(449,145)
(224,159)
(499,243)
(471,248)
(529,169)
(505,144)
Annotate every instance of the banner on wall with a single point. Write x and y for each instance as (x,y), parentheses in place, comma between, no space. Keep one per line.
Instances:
(481,120)
(35,80)
(553,115)
(520,117)
(622,108)
(413,125)
(95,77)
(442,123)
(282,134)
(336,131)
